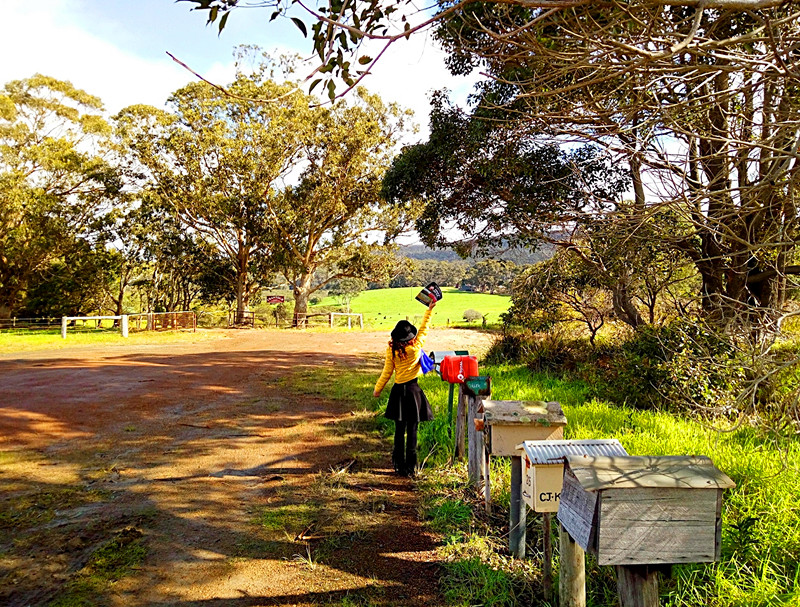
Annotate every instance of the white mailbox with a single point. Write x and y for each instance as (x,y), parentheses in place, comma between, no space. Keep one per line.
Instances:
(543,473)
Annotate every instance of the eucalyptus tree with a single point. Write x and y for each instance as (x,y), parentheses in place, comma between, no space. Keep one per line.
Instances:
(700,101)
(485,183)
(58,179)
(699,97)
(217,162)
(334,219)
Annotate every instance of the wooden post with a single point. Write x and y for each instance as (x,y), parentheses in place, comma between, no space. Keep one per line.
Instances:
(361,320)
(487,488)
(124,325)
(547,545)
(461,418)
(63,327)
(450,410)
(637,586)
(516,532)
(572,575)
(475,461)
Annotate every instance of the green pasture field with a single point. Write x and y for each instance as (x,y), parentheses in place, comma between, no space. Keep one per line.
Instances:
(50,339)
(760,565)
(382,308)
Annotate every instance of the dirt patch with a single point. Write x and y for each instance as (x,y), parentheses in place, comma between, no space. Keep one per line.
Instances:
(243,492)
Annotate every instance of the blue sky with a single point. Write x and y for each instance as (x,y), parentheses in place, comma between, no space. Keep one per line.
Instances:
(116,49)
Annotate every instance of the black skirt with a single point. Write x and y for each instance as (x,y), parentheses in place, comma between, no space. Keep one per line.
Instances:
(407,402)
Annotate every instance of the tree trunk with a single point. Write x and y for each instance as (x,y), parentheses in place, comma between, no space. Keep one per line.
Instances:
(242,287)
(301,291)
(623,304)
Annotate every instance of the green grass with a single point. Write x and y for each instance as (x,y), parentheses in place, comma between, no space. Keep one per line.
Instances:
(760,563)
(382,308)
(52,340)
(292,518)
(111,562)
(25,510)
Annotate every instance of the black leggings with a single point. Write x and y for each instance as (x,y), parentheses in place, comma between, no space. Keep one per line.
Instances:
(404,456)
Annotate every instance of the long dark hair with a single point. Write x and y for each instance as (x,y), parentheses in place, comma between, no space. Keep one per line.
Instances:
(399,347)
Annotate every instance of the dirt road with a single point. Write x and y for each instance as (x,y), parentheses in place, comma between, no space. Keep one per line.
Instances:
(241,491)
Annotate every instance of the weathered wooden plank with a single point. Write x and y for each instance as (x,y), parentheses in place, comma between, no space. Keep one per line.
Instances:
(547,565)
(487,488)
(680,472)
(718,528)
(524,412)
(461,420)
(577,509)
(572,572)
(475,444)
(653,526)
(518,514)
(637,586)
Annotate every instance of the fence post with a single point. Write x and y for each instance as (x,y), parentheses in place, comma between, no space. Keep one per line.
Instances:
(361,320)
(330,317)
(124,325)
(63,327)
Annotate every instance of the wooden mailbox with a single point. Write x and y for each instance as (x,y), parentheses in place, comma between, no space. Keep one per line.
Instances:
(509,423)
(543,472)
(644,510)
(506,425)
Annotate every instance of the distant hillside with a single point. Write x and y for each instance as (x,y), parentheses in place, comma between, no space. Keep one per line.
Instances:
(518,256)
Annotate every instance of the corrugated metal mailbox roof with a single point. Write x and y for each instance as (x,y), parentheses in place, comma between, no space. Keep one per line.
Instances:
(677,472)
(554,451)
(523,412)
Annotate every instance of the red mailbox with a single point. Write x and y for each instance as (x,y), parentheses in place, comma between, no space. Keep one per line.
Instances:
(455,369)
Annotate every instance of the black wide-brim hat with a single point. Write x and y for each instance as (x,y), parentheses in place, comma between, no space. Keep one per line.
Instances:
(404,331)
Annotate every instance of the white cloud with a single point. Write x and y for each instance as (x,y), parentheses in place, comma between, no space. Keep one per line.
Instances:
(39,37)
(46,37)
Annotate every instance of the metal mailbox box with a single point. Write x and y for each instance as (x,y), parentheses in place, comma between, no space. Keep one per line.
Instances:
(509,423)
(543,472)
(644,510)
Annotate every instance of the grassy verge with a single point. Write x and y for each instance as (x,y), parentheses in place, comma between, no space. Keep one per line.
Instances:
(761,516)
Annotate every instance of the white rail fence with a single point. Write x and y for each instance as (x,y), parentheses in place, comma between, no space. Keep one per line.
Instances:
(123,322)
(147,321)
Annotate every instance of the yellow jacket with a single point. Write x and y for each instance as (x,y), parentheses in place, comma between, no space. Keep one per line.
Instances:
(405,368)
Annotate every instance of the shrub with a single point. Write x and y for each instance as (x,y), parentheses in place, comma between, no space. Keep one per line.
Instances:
(508,348)
(678,366)
(472,315)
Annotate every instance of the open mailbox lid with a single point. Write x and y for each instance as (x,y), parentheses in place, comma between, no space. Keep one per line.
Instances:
(598,472)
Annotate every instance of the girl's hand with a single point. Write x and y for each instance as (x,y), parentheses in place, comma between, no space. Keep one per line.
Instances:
(432,305)
(376,393)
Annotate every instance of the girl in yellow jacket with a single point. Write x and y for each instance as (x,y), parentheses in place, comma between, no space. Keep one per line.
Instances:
(408,404)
